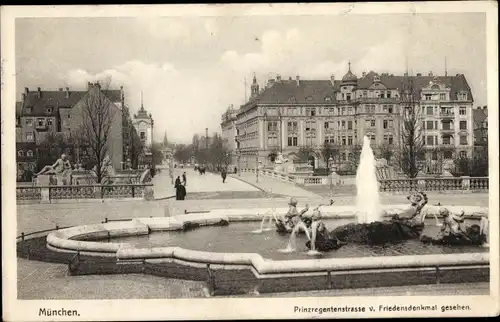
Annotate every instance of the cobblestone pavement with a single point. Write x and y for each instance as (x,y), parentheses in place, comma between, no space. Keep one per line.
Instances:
(37,280)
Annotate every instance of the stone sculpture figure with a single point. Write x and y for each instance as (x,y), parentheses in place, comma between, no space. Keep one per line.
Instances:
(61,168)
(408,225)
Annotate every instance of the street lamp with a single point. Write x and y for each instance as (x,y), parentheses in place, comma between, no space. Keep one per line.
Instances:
(330,161)
(257,168)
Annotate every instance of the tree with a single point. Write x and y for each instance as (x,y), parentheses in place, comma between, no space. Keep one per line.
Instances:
(183,153)
(95,128)
(304,154)
(156,154)
(329,151)
(354,157)
(51,148)
(218,152)
(386,152)
(475,166)
(412,144)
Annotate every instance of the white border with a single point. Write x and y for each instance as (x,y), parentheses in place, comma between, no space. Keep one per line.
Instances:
(15,310)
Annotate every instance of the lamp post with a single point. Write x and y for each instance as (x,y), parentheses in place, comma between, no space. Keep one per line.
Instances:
(257,168)
(330,161)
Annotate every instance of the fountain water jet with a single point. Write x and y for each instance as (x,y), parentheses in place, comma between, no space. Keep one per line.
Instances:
(271,215)
(292,244)
(367,198)
(314,231)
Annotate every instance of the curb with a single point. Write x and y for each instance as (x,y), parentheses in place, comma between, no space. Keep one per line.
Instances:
(249,183)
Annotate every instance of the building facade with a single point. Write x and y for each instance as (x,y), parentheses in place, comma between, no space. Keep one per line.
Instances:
(287,115)
(42,112)
(144,125)
(228,126)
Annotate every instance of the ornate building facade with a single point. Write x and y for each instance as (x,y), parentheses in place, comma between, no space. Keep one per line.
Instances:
(287,115)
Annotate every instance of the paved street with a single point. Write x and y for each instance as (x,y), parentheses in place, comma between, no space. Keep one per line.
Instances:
(196,183)
(274,185)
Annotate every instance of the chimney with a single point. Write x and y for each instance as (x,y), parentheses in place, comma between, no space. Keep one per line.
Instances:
(278,78)
(332,79)
(430,73)
(363,74)
(297,79)
(419,74)
(39,92)
(26,91)
(67,92)
(122,94)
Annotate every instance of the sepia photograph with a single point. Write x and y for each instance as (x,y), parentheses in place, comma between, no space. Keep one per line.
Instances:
(250,161)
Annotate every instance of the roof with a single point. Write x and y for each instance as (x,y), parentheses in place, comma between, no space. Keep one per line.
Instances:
(315,91)
(39,101)
(479,116)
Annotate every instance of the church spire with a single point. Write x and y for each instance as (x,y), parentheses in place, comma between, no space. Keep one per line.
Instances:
(142,105)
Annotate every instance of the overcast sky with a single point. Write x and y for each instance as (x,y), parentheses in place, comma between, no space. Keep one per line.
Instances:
(191,69)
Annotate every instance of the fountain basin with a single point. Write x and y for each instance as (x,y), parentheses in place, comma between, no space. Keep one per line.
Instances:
(232,272)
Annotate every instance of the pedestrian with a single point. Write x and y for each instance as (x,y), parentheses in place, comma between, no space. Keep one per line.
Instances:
(184,179)
(178,188)
(183,192)
(223,174)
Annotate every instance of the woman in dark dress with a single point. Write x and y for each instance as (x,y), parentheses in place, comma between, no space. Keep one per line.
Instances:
(178,188)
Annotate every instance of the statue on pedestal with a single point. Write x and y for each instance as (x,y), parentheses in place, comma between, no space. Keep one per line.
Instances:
(61,169)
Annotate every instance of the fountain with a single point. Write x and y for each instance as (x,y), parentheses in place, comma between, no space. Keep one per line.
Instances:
(269,217)
(367,198)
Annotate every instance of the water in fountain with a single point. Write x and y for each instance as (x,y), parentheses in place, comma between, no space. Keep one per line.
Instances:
(292,244)
(271,215)
(314,231)
(367,198)
(435,217)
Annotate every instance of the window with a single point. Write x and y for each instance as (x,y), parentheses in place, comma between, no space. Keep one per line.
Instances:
(343,140)
(446,140)
(428,97)
(372,123)
(329,139)
(389,95)
(372,139)
(142,135)
(349,140)
(447,125)
(29,122)
(272,126)
(442,96)
(29,110)
(29,153)
(326,125)
(20,153)
(430,125)
(292,140)
(49,121)
(272,139)
(348,97)
(447,155)
(311,111)
(382,95)
(430,140)
(463,154)
(430,110)
(367,109)
(327,99)
(29,136)
(349,125)
(310,126)
(390,140)
(462,111)
(365,93)
(390,109)
(40,122)
(462,96)
(386,124)
(343,125)
(463,125)
(292,127)
(350,111)
(342,111)
(463,140)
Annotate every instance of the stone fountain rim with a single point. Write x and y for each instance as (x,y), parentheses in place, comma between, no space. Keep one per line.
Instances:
(64,241)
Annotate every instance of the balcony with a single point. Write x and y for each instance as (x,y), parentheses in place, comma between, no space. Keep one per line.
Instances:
(448,130)
(447,114)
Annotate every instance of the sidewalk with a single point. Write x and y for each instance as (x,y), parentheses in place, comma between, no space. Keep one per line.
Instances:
(274,185)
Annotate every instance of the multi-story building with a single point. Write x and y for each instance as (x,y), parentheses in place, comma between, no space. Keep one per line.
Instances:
(480,116)
(61,112)
(228,125)
(291,114)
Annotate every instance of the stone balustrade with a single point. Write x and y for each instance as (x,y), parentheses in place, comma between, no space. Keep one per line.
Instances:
(49,194)
(457,184)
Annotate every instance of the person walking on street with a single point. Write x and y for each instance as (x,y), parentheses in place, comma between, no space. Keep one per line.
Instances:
(184,179)
(223,174)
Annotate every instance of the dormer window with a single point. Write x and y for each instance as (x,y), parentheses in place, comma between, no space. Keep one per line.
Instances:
(29,110)
(20,153)
(48,110)
(462,96)
(327,99)
(29,153)
(376,79)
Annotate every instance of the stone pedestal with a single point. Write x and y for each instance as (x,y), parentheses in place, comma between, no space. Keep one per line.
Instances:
(43,180)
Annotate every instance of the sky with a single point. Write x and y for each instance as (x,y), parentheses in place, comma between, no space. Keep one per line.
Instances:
(190,69)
